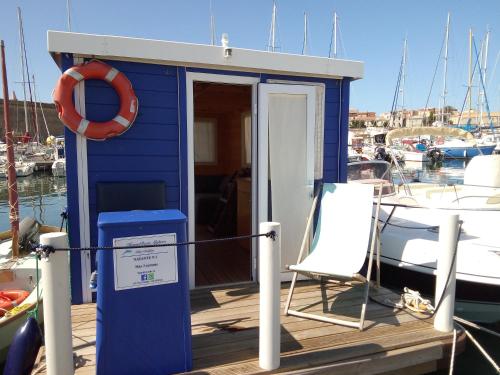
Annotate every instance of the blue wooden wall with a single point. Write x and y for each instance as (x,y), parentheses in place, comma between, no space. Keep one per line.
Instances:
(155,146)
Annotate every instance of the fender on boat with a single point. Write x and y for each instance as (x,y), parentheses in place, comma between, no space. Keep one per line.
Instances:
(24,349)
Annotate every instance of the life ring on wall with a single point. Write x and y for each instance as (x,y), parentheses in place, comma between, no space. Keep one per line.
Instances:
(10,299)
(63,99)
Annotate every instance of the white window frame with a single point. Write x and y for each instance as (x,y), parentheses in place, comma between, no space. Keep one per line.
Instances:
(192,77)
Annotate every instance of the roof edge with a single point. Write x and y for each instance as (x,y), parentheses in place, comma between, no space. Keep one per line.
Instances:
(188,54)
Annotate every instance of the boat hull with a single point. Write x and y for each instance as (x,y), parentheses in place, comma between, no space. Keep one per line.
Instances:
(466,152)
(22,276)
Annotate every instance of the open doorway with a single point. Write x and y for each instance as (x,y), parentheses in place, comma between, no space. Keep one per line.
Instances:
(222,136)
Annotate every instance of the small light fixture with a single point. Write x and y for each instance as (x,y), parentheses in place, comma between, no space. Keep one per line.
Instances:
(228,52)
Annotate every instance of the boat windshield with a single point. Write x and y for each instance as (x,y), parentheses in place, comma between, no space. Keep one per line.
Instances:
(376,172)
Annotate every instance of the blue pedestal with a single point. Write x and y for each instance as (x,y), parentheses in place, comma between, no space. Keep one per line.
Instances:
(143,312)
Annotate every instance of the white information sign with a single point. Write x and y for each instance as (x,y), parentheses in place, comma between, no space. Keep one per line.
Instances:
(147,266)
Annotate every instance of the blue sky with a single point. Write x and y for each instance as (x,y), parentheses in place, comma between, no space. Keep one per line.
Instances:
(371,31)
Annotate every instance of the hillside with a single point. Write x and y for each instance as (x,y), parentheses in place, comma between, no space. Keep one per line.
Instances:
(17,119)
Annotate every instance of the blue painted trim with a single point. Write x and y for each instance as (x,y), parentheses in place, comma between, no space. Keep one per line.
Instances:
(344,129)
(221,72)
(72,199)
(183,149)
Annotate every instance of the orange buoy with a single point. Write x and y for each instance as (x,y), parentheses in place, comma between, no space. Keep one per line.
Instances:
(63,99)
(10,299)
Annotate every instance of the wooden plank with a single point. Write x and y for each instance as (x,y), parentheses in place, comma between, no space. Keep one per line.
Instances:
(318,356)
(367,341)
(314,301)
(419,359)
(293,329)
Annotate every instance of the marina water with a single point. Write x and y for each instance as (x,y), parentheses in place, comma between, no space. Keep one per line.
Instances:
(43,197)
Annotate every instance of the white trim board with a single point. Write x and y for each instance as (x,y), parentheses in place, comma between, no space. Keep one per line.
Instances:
(215,78)
(83,193)
(199,55)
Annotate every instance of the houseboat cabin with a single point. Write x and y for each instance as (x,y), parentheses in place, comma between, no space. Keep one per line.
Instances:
(230,137)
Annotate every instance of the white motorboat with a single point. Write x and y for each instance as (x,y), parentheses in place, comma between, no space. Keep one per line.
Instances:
(24,169)
(411,215)
(59,168)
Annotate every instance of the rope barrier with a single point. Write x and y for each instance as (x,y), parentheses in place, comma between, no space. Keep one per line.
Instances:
(453,349)
(481,349)
(43,251)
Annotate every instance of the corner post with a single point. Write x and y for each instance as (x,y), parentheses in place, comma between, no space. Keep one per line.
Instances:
(270,294)
(57,306)
(446,264)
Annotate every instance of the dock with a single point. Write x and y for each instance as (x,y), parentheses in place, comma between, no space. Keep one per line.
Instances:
(225,323)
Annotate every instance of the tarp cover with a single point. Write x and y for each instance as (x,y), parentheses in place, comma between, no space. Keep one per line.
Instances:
(415,132)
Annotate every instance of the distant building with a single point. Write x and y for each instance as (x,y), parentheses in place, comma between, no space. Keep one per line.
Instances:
(366,118)
(474,118)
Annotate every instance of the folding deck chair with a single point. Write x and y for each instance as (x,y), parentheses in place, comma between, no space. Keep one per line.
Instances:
(340,243)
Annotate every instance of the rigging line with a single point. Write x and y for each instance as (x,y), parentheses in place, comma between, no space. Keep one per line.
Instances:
(41,107)
(332,35)
(494,69)
(396,92)
(467,93)
(23,45)
(434,77)
(344,53)
(481,79)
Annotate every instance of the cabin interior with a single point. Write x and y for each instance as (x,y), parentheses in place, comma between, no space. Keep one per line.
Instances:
(223,180)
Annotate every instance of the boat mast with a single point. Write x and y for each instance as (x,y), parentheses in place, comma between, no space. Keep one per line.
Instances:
(333,40)
(212,26)
(445,68)
(403,78)
(68,11)
(272,33)
(469,84)
(483,67)
(11,166)
(20,20)
(305,50)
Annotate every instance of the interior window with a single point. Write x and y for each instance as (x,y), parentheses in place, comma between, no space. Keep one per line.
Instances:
(246,132)
(205,141)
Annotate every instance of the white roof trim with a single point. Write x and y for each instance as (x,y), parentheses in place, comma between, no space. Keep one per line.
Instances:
(186,54)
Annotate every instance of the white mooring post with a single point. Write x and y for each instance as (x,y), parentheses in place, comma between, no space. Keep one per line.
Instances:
(270,295)
(448,237)
(57,306)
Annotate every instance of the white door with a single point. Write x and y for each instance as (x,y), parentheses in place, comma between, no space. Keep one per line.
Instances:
(286,119)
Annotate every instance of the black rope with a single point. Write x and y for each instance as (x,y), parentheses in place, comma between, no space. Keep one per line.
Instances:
(45,250)
(439,208)
(64,217)
(429,227)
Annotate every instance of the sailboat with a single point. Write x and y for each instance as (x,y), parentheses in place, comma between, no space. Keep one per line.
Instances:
(459,148)
(20,290)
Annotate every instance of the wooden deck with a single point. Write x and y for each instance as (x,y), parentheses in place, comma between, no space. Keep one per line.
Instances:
(225,334)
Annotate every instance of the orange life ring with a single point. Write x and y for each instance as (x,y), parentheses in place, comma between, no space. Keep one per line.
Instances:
(10,299)
(63,99)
